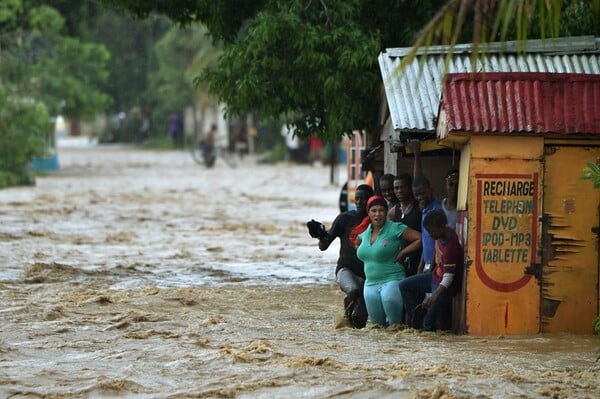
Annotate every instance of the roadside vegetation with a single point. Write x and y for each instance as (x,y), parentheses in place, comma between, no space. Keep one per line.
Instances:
(592,172)
(312,64)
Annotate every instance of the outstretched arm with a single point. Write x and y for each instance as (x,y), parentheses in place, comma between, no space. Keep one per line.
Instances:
(325,242)
(415,146)
(392,212)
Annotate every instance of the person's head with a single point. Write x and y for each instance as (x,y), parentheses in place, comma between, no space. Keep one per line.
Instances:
(435,223)
(386,188)
(422,191)
(452,183)
(376,204)
(361,196)
(377,209)
(403,187)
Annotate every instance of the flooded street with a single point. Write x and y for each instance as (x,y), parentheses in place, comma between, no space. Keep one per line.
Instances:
(140,274)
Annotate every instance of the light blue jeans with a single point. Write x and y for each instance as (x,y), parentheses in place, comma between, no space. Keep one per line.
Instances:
(384,303)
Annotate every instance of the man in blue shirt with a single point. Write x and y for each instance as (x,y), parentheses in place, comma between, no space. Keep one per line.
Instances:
(427,203)
(423,193)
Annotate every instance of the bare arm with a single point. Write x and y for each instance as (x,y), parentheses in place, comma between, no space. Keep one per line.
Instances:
(412,236)
(392,213)
(428,301)
(415,146)
(325,242)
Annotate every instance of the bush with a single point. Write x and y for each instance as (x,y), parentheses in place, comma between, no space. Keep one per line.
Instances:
(277,154)
(23,125)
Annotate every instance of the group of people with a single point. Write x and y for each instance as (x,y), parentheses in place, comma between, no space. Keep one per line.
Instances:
(400,258)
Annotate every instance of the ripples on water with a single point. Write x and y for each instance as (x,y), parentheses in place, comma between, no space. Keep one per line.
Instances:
(138,274)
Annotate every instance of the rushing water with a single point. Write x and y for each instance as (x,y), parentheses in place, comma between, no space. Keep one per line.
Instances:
(139,274)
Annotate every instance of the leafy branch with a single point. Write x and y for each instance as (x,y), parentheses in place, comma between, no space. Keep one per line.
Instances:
(592,172)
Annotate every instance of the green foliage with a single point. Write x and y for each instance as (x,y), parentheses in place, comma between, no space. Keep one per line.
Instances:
(63,72)
(159,143)
(23,124)
(313,66)
(171,89)
(42,73)
(224,18)
(71,76)
(276,154)
(592,172)
(312,63)
(269,136)
(9,9)
(133,57)
(483,21)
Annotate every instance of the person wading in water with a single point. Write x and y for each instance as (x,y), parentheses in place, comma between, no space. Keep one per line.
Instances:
(350,271)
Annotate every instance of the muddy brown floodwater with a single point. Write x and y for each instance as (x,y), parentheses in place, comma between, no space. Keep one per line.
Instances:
(139,274)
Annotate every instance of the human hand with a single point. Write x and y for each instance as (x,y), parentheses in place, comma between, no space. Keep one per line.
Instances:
(427,302)
(401,257)
(316,229)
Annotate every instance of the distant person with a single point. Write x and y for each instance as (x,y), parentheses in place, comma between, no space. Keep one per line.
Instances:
(407,211)
(292,144)
(423,193)
(443,282)
(316,149)
(241,142)
(210,137)
(382,245)
(208,143)
(350,272)
(449,203)
(176,129)
(144,128)
(386,189)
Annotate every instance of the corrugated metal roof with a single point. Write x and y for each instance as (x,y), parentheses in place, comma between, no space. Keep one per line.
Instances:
(413,95)
(521,102)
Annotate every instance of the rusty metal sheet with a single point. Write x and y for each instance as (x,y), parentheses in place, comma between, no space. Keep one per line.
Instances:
(539,103)
(413,95)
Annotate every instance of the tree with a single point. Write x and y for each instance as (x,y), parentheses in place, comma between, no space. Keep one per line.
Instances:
(313,62)
(498,20)
(42,73)
(133,57)
(175,54)
(310,62)
(60,71)
(23,124)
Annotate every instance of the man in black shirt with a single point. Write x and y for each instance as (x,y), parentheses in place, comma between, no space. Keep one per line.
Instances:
(350,272)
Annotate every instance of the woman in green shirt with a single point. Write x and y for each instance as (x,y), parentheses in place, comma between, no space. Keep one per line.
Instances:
(382,244)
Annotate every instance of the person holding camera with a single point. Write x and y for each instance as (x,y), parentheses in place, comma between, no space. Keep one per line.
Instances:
(350,271)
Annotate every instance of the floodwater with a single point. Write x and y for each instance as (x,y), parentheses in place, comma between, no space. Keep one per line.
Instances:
(139,274)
